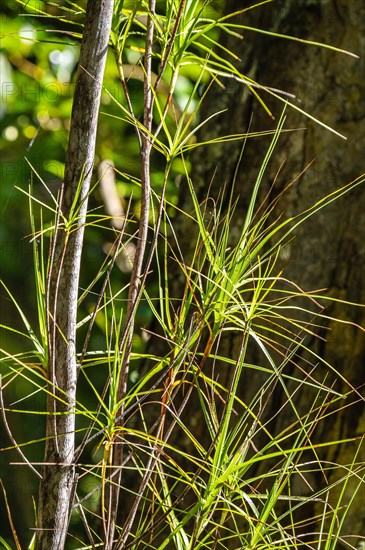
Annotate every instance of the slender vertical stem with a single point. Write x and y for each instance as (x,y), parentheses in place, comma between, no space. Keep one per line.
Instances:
(57,487)
(135,286)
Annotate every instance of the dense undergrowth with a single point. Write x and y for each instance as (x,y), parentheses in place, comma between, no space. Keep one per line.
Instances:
(165,452)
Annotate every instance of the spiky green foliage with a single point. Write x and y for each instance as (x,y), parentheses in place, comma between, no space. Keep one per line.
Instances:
(199,468)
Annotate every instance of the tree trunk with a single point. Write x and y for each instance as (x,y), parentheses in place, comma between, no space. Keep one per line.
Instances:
(329,251)
(59,482)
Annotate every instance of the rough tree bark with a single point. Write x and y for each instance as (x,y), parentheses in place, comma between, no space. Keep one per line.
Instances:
(58,484)
(329,251)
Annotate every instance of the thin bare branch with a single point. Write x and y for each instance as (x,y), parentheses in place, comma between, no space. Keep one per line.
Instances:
(59,481)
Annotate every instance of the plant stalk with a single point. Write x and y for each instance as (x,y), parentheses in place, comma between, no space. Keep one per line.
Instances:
(58,484)
(135,286)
